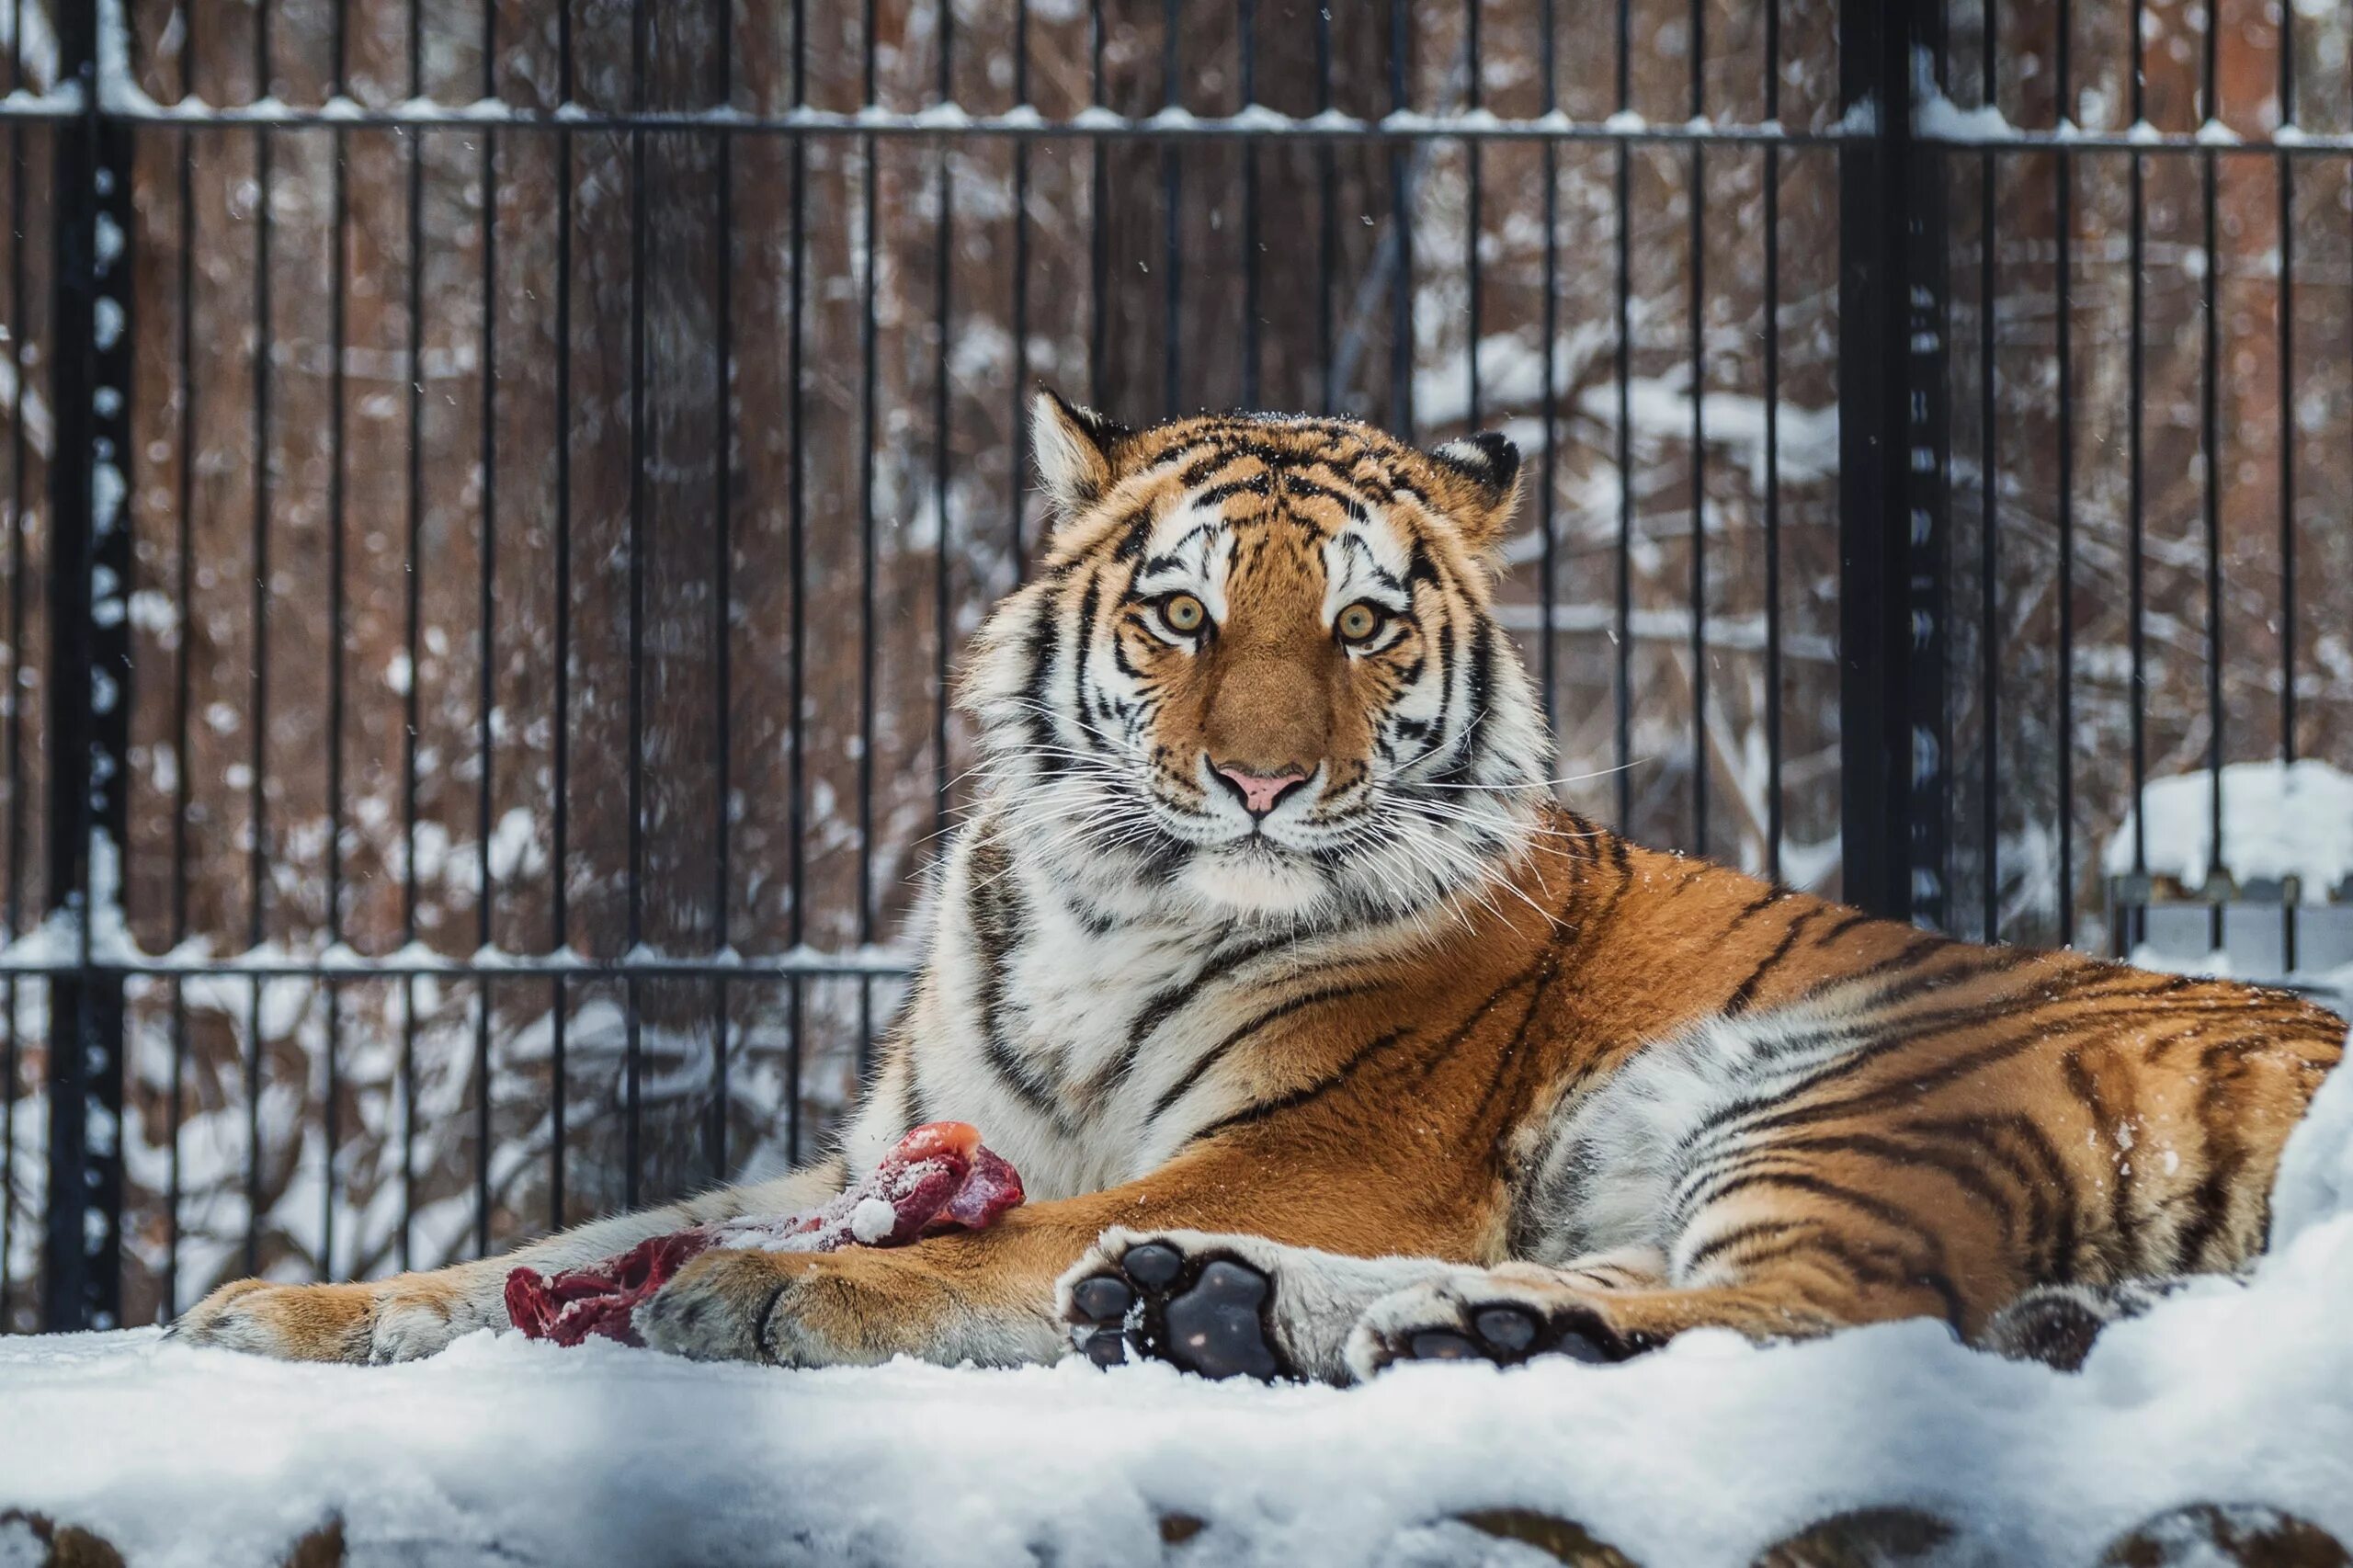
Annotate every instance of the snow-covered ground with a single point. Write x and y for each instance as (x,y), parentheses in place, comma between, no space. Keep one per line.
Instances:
(507,1452)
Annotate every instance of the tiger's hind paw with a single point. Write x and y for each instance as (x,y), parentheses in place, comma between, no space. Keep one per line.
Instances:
(1487,1316)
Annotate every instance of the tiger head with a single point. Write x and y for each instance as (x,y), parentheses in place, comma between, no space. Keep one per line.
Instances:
(1257,674)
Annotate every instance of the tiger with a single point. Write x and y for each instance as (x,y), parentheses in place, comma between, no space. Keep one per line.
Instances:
(1325,1039)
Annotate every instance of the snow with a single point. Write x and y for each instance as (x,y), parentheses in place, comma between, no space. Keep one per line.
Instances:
(505,1450)
(872,1219)
(2279,820)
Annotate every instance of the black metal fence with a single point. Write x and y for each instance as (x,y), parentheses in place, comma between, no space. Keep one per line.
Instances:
(507,484)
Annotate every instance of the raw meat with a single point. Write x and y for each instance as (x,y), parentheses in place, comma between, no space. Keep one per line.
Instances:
(939,1179)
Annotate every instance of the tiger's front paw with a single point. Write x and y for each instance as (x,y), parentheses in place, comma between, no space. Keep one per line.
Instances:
(371,1322)
(717,1307)
(1223,1306)
(858,1307)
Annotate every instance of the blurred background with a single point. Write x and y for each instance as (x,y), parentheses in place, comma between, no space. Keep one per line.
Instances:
(496,492)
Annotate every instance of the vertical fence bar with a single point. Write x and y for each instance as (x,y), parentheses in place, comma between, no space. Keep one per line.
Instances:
(1327,237)
(1471,204)
(1172,216)
(632,1057)
(183,669)
(1245,25)
(1874,591)
(89,689)
(1698,56)
(1547,588)
(1772,309)
(1925,404)
(1622,625)
(413,615)
(2210,446)
(2210,432)
(943,271)
(486,694)
(2065,234)
(1099,242)
(2287,325)
(2136,917)
(867,585)
(1400,232)
(338,328)
(796,513)
(257,852)
(10,1047)
(1017,423)
(722,610)
(559,832)
(1989,587)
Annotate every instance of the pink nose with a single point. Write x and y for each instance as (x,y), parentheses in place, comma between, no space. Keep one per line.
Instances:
(1259,792)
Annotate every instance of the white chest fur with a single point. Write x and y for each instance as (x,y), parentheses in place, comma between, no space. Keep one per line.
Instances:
(1049,1037)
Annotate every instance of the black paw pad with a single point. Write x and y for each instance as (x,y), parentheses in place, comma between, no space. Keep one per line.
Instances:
(1153,1265)
(1508,1334)
(1104,1299)
(1444,1345)
(1214,1329)
(1205,1314)
(1507,1329)
(1593,1349)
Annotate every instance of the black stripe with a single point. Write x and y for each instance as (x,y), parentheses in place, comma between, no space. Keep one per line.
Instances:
(1853,920)
(1219,494)
(995,913)
(1745,992)
(1509,1047)
(1422,567)
(1218,1053)
(1765,901)
(1889,1214)
(1040,648)
(1133,532)
(1481,685)
(1981,1145)
(1915,1089)
(2105,1120)
(1169,1000)
(1088,604)
(1940,1283)
(1964,1175)
(1715,1246)
(2223,1156)
(1294,1099)
(910,1099)
(1296,484)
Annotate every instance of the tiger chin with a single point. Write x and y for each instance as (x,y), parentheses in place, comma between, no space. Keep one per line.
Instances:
(1323,1039)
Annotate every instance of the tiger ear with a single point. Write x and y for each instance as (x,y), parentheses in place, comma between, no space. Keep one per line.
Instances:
(1481,475)
(1075,447)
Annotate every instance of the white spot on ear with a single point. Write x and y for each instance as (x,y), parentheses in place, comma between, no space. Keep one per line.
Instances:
(1490,460)
(1491,464)
(1072,463)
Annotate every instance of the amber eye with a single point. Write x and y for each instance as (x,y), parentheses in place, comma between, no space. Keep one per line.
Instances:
(1359,622)
(1184,613)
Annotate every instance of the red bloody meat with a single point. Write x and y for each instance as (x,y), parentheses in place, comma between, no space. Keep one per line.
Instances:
(938,1178)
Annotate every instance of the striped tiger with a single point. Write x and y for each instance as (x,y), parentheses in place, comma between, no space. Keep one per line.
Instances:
(1324,1038)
